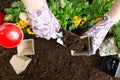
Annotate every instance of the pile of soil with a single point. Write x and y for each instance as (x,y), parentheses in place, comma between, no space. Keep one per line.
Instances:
(52,61)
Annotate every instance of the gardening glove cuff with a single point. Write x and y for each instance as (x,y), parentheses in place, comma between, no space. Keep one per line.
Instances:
(98,32)
(44,23)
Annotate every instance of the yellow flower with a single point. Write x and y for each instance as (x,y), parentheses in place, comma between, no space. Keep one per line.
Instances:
(113,1)
(97,20)
(75,17)
(80,21)
(104,14)
(83,21)
(77,22)
(22,24)
(29,30)
(18,24)
(30,26)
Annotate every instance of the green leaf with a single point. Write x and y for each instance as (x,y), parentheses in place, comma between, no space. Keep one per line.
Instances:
(9,17)
(107,6)
(9,10)
(86,5)
(72,28)
(118,44)
(63,3)
(117,31)
(17,11)
(15,4)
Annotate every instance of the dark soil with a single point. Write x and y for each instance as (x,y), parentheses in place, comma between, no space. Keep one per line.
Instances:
(73,41)
(52,61)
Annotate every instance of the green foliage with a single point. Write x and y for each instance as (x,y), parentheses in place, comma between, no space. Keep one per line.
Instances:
(65,10)
(115,30)
(12,13)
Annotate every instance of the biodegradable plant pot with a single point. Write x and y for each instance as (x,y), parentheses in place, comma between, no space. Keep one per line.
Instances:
(87,47)
(78,45)
(26,47)
(111,66)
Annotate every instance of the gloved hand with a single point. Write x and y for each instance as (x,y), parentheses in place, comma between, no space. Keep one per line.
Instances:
(98,32)
(44,23)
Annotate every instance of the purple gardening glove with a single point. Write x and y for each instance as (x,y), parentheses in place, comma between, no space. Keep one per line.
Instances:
(44,23)
(98,32)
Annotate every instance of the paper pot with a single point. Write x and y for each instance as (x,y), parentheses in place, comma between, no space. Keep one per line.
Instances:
(87,48)
(26,47)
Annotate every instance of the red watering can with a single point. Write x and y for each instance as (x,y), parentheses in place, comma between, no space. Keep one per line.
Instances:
(10,35)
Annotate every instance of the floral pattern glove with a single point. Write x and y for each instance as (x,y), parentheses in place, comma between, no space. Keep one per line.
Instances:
(44,23)
(98,32)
